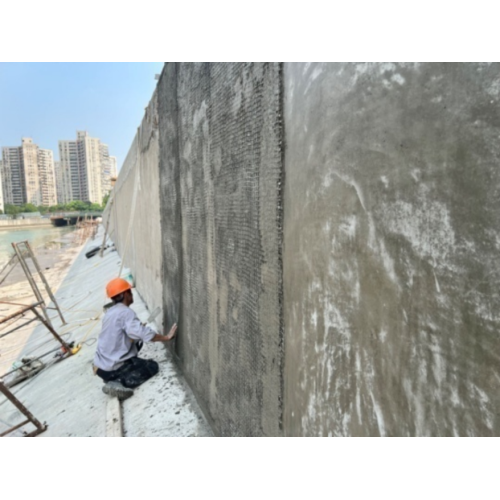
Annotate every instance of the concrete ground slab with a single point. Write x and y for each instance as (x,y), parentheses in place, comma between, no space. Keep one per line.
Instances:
(163,406)
(68,396)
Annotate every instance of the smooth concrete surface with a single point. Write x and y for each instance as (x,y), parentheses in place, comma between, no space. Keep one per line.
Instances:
(68,396)
(135,223)
(391,244)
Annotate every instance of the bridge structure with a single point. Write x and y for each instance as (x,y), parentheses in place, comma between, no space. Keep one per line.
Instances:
(72,218)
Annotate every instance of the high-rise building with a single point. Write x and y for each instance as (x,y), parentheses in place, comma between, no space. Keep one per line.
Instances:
(29,152)
(59,182)
(46,176)
(2,207)
(83,171)
(28,174)
(114,166)
(113,171)
(67,171)
(106,169)
(13,176)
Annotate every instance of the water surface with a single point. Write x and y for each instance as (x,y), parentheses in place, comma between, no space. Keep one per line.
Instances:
(44,236)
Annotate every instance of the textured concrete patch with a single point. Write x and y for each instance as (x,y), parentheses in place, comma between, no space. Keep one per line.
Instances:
(220,177)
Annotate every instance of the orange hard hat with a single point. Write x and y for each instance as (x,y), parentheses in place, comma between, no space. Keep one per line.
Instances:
(117,286)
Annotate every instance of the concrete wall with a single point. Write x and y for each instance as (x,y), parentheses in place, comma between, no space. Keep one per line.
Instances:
(135,224)
(221,172)
(371,306)
(391,244)
(7,223)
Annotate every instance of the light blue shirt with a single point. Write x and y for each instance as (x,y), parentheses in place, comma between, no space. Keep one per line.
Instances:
(120,329)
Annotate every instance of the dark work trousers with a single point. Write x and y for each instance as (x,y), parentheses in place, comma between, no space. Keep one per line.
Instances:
(134,372)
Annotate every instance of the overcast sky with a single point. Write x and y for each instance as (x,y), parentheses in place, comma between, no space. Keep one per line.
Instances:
(51,101)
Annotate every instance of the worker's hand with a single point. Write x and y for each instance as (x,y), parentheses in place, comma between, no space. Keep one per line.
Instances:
(166,338)
(172,332)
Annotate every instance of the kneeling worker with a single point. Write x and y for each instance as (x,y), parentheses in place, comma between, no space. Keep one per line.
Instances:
(121,338)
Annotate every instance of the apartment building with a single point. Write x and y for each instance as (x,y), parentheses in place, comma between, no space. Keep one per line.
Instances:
(46,177)
(28,174)
(2,206)
(13,185)
(59,182)
(113,167)
(83,170)
(106,169)
(68,172)
(29,151)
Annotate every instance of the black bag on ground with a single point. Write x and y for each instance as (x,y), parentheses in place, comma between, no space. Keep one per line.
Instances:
(92,252)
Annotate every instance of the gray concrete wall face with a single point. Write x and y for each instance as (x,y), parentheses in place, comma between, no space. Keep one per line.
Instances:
(220,176)
(140,174)
(391,244)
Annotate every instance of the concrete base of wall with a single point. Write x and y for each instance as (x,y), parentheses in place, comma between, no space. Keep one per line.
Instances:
(6,224)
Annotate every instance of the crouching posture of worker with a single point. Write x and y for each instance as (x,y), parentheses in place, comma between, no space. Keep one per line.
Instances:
(121,339)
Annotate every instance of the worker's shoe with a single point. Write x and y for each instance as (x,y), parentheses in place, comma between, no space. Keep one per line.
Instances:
(116,389)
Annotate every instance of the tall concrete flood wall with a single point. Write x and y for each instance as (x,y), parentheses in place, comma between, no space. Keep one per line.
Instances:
(133,210)
(329,244)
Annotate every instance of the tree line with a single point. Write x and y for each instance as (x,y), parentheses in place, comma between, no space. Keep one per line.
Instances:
(72,206)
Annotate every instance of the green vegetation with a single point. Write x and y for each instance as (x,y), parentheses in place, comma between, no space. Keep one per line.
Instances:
(15,209)
(72,206)
(105,201)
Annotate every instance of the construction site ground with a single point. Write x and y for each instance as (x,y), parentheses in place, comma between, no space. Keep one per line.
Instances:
(68,397)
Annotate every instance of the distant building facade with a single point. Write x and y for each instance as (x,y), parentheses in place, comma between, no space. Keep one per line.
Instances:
(114,171)
(2,207)
(113,166)
(59,181)
(106,169)
(28,176)
(14,192)
(46,177)
(83,172)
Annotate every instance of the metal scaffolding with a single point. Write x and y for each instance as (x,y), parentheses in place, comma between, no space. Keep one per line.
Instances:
(23,250)
(29,416)
(39,309)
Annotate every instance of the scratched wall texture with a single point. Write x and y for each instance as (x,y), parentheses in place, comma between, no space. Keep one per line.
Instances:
(220,202)
(391,249)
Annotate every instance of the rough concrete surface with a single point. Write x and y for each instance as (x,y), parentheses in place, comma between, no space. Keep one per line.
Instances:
(220,177)
(391,244)
(69,397)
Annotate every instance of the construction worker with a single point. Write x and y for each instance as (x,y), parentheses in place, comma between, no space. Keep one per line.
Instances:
(120,340)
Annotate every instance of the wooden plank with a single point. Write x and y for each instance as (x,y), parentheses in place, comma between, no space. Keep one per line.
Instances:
(114,425)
